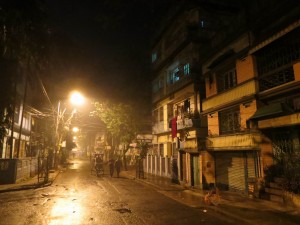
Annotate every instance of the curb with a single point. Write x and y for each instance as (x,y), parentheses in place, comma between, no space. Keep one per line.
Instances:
(21,187)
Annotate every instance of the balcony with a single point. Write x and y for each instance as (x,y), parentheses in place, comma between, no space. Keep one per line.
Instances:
(184,80)
(240,141)
(172,88)
(159,128)
(187,123)
(239,92)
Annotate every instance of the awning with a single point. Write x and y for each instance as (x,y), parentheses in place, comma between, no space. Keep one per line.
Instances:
(272,110)
(276,36)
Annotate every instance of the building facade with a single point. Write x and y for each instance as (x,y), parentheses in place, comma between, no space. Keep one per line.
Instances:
(240,94)
(177,91)
(251,98)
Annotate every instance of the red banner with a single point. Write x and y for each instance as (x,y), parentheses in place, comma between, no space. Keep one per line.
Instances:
(174,127)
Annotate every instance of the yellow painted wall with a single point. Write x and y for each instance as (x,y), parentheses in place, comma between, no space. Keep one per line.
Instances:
(245,69)
(246,111)
(210,85)
(213,124)
(208,167)
(297,70)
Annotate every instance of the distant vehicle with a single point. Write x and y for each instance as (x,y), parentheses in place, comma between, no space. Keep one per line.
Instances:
(98,164)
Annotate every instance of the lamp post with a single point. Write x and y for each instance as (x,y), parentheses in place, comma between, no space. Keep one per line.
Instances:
(63,122)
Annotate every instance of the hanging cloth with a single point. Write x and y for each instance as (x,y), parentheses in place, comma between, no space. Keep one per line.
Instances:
(174,127)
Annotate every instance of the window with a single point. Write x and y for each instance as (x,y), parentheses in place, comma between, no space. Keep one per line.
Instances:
(153,57)
(157,84)
(229,120)
(226,80)
(183,107)
(186,69)
(170,111)
(17,115)
(186,106)
(204,23)
(275,62)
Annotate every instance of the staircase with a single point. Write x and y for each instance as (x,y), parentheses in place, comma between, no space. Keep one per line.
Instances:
(274,192)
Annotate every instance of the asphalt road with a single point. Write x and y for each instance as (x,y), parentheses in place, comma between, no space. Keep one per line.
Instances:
(79,197)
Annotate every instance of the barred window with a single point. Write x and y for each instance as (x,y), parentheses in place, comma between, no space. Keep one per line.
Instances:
(229,120)
(226,80)
(274,62)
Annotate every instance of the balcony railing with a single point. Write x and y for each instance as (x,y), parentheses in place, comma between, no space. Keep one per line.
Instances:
(183,123)
(236,93)
(187,123)
(158,128)
(241,141)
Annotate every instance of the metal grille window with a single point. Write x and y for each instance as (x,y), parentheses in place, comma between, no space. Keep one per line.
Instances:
(229,120)
(275,79)
(274,62)
(282,142)
(226,80)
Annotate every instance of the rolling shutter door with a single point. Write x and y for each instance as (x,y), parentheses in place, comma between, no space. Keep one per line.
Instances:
(230,170)
(251,165)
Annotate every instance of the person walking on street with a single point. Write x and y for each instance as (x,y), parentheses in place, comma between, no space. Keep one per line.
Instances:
(111,167)
(118,166)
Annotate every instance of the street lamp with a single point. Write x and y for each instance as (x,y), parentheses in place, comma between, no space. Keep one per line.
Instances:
(76,98)
(61,122)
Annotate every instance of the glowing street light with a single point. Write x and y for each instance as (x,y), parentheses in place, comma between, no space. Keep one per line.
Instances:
(75,129)
(76,98)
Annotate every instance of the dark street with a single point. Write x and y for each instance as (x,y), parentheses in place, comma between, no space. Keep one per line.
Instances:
(79,197)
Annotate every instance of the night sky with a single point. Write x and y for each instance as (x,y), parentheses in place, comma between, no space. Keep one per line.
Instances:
(104,46)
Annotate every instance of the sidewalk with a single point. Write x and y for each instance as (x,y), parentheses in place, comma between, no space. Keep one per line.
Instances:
(29,183)
(232,205)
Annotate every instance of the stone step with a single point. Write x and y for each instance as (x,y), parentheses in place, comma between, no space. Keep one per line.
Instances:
(274,191)
(276,198)
(272,198)
(279,180)
(275,185)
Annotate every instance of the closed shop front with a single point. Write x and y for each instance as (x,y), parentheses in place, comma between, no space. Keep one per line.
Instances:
(234,168)
(195,171)
(182,166)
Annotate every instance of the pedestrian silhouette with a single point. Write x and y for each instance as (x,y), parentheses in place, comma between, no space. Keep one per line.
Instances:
(111,167)
(118,165)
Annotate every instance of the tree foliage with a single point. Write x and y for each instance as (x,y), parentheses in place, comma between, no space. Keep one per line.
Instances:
(23,35)
(144,147)
(286,165)
(119,121)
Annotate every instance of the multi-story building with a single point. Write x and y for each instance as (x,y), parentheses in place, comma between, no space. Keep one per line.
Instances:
(25,134)
(178,89)
(252,95)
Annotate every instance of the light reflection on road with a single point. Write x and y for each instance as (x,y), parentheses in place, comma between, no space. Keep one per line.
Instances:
(66,211)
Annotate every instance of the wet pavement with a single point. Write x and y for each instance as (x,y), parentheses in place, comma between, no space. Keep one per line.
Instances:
(232,205)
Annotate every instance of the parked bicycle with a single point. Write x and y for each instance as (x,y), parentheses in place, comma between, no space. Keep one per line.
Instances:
(213,196)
